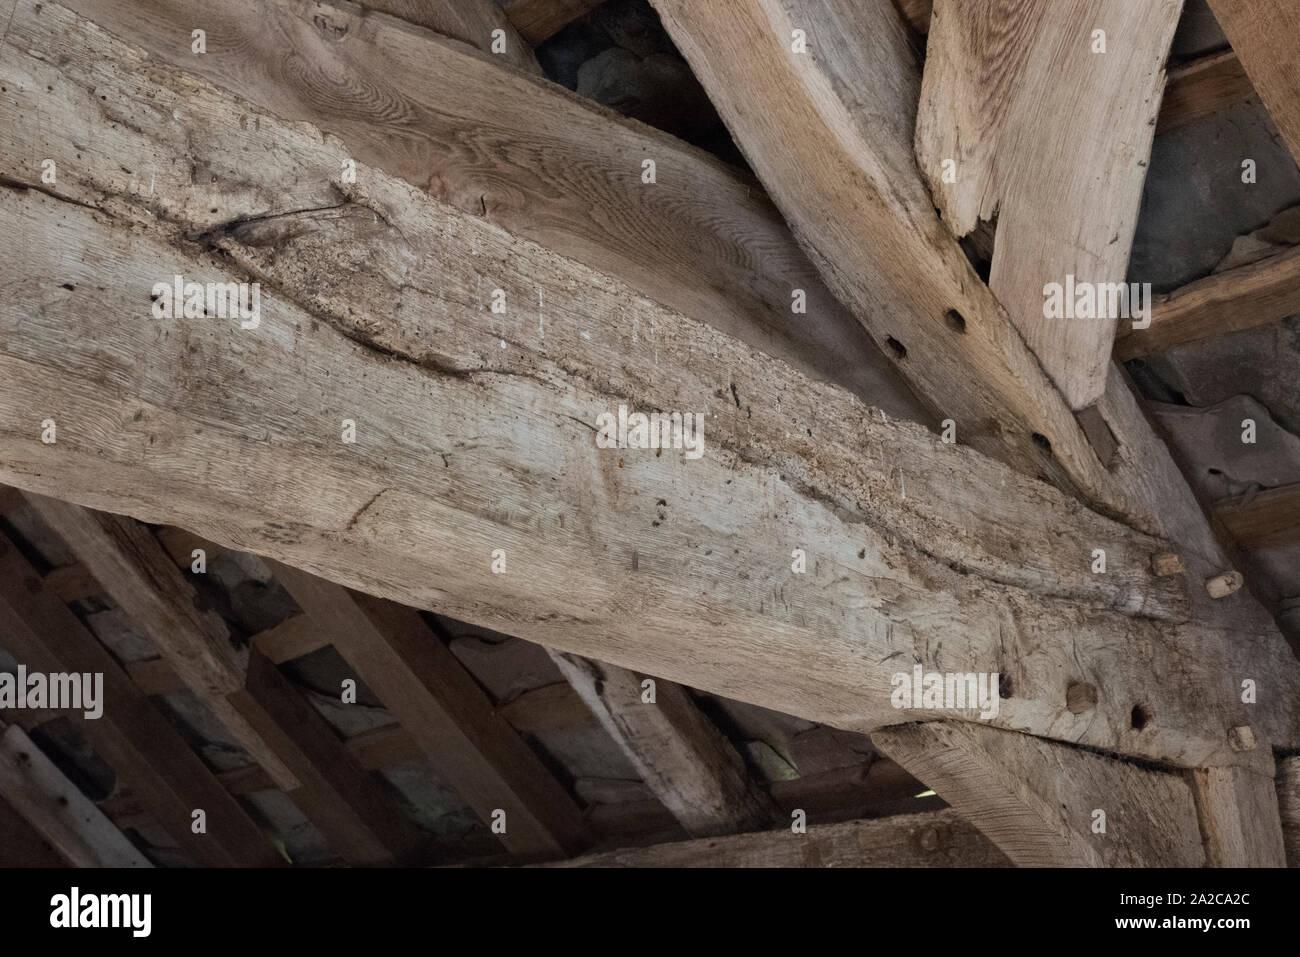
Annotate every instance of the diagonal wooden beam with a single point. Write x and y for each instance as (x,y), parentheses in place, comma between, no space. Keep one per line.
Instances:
(467,448)
(532,158)
(1047,804)
(475,22)
(686,761)
(23,845)
(1263,519)
(1201,88)
(1266,36)
(1240,817)
(446,714)
(1258,294)
(933,839)
(263,710)
(132,736)
(1064,114)
(539,20)
(43,795)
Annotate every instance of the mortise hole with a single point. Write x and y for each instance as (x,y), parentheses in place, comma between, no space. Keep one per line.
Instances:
(1043,442)
(1214,471)
(1004,686)
(899,350)
(1139,718)
(956,321)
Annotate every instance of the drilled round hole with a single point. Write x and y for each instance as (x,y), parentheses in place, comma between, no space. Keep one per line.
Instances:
(899,350)
(1139,718)
(956,321)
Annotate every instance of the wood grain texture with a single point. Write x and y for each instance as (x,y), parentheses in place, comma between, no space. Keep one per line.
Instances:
(1266,37)
(1202,88)
(1239,817)
(830,133)
(446,714)
(55,808)
(1288,795)
(529,156)
(1037,800)
(149,754)
(1051,140)
(934,839)
(681,756)
(539,20)
(1242,298)
(23,845)
(470,21)
(1264,519)
(467,447)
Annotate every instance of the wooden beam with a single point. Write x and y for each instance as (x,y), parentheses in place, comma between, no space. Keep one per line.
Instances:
(475,22)
(539,20)
(1239,817)
(294,637)
(1266,36)
(147,752)
(941,541)
(532,158)
(1263,519)
(934,839)
(686,761)
(72,582)
(41,793)
(139,576)
(23,845)
(1242,298)
(360,821)
(1063,115)
(446,714)
(1201,88)
(1049,805)
(1288,794)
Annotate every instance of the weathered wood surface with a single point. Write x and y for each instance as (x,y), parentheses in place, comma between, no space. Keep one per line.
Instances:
(1051,140)
(132,736)
(918,552)
(447,714)
(1266,37)
(830,133)
(41,793)
(1239,817)
(686,761)
(1264,519)
(932,839)
(1201,88)
(471,21)
(1039,800)
(532,157)
(1242,298)
(1288,796)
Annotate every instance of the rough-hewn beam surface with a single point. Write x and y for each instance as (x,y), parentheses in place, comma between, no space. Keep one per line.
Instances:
(916,552)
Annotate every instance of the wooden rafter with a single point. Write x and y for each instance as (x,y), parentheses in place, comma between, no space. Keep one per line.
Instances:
(539,20)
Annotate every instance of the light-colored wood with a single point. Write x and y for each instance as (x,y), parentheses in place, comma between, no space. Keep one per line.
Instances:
(934,839)
(686,761)
(72,582)
(1167,563)
(1039,800)
(1202,88)
(900,557)
(445,713)
(532,158)
(1051,140)
(1266,36)
(1288,796)
(1224,584)
(539,20)
(916,13)
(470,21)
(1264,519)
(41,793)
(1242,298)
(1239,817)
(362,822)
(140,577)
(148,754)
(292,638)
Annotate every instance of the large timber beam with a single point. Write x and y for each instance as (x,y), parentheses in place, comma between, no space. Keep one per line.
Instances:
(1047,804)
(913,552)
(932,839)
(686,761)
(480,23)
(533,158)
(1020,108)
(1265,34)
